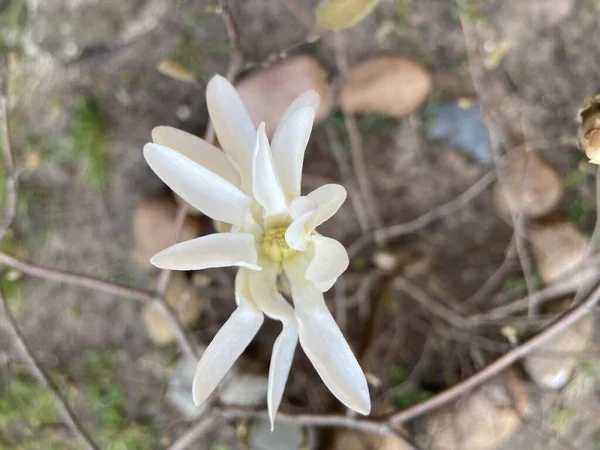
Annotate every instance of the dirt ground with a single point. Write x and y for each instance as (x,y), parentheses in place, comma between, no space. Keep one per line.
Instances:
(532,95)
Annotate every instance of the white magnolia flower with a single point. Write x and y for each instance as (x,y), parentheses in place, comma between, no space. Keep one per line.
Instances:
(255,188)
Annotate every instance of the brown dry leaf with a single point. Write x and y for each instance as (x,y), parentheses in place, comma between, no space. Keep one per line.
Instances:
(389,86)
(183,298)
(268,93)
(176,71)
(339,14)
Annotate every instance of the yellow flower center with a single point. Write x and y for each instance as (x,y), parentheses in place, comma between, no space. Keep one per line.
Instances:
(274,244)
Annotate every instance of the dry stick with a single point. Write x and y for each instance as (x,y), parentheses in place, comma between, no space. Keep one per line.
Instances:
(502,363)
(346,173)
(357,153)
(429,217)
(437,308)
(193,433)
(76,279)
(517,219)
(43,378)
(9,165)
(570,283)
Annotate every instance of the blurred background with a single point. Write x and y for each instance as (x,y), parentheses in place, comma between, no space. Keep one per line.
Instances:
(469,222)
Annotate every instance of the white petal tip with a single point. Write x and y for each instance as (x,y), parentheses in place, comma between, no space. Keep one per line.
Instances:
(362,405)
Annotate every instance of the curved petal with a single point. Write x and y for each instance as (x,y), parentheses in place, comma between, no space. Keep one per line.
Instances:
(226,347)
(213,250)
(265,182)
(330,260)
(324,343)
(198,150)
(300,206)
(204,190)
(289,145)
(232,124)
(329,198)
(265,295)
(296,235)
(307,99)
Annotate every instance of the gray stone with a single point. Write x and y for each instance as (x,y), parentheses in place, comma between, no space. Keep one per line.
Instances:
(463,128)
(284,436)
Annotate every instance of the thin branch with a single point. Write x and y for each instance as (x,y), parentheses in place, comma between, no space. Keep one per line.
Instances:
(11,186)
(502,363)
(357,153)
(43,378)
(75,279)
(194,433)
(360,210)
(441,311)
(319,420)
(437,213)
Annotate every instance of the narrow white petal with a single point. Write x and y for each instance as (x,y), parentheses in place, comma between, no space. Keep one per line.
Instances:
(204,190)
(198,150)
(296,234)
(279,369)
(289,145)
(329,199)
(232,123)
(324,343)
(226,347)
(330,260)
(213,250)
(265,182)
(264,292)
(307,99)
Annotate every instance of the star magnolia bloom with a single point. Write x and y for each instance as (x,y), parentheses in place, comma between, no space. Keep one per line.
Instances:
(255,188)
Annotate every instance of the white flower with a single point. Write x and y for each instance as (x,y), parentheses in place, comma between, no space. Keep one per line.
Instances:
(255,188)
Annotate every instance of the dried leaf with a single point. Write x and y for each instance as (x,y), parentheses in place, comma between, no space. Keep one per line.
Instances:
(339,14)
(176,71)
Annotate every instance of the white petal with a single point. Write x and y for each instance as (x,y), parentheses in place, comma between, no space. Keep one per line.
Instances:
(300,206)
(325,345)
(289,145)
(204,190)
(264,293)
(307,99)
(279,369)
(329,198)
(226,347)
(330,260)
(198,150)
(265,182)
(214,250)
(296,235)
(232,123)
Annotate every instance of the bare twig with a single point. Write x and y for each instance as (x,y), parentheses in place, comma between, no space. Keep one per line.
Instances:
(357,200)
(43,378)
(441,311)
(10,207)
(501,363)
(75,279)
(429,217)
(357,153)
(193,433)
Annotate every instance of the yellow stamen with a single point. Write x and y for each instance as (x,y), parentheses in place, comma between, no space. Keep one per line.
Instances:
(275,246)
